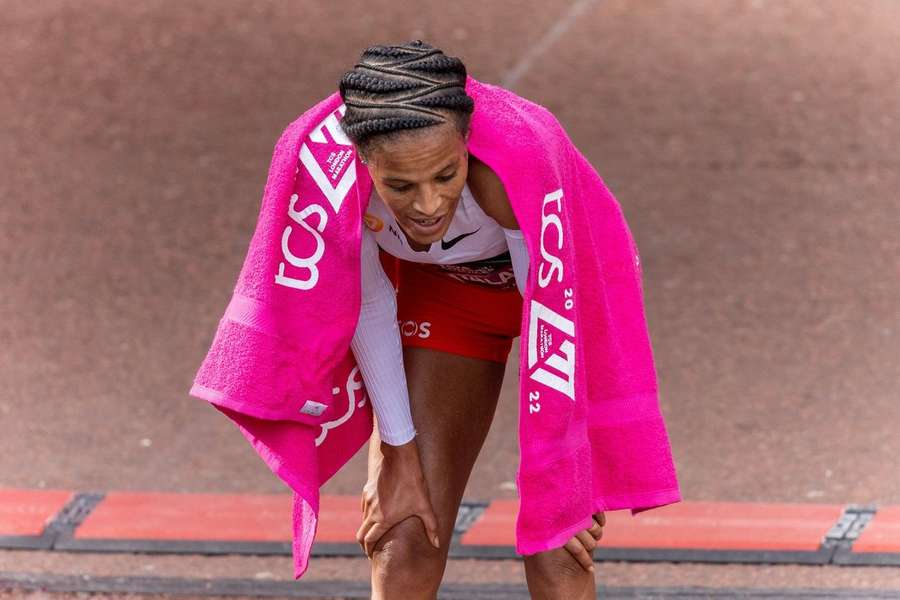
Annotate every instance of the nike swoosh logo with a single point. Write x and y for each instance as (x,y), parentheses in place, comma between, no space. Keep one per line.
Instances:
(457,239)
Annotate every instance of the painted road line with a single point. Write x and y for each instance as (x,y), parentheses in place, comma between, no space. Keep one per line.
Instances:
(183,523)
(343,542)
(25,516)
(882,534)
(878,542)
(339,519)
(208,524)
(176,516)
(546,41)
(159,522)
(696,531)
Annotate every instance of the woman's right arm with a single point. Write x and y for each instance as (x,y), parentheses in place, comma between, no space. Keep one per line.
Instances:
(378,351)
(396,486)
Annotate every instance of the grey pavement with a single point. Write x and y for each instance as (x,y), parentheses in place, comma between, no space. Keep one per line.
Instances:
(752,144)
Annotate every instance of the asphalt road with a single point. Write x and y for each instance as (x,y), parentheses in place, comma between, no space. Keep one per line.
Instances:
(752,145)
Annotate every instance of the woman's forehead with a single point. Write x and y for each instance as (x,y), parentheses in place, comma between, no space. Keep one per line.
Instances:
(422,152)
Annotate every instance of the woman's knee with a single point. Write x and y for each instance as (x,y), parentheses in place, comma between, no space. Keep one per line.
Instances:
(405,558)
(557,574)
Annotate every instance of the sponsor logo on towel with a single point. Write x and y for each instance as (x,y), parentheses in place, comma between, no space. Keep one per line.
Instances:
(547,330)
(352,385)
(551,336)
(327,161)
(551,262)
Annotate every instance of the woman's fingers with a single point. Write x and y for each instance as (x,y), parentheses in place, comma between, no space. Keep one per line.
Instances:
(587,540)
(581,547)
(431,525)
(371,538)
(361,532)
(576,548)
(595,530)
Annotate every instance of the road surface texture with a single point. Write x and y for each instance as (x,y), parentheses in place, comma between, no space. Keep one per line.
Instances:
(751,143)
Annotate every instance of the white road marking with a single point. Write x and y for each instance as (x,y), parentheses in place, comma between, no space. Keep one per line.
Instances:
(562,24)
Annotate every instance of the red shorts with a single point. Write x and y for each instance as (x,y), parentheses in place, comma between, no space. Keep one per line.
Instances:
(436,311)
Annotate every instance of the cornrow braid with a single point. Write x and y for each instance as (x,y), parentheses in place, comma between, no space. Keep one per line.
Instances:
(382,125)
(403,87)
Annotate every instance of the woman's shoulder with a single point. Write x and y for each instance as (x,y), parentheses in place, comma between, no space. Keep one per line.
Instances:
(489,193)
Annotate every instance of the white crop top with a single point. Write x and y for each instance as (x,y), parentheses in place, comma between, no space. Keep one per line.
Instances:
(472,236)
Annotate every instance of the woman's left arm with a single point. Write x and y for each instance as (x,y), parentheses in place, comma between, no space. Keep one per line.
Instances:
(490,194)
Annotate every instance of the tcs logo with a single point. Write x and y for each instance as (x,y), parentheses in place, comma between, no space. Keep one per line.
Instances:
(550,261)
(551,335)
(331,173)
(412,328)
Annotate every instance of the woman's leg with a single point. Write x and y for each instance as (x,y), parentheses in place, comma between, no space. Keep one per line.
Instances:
(556,575)
(452,399)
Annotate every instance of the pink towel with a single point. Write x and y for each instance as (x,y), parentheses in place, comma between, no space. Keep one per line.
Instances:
(591,434)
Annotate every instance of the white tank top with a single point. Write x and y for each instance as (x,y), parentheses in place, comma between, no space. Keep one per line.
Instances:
(471,236)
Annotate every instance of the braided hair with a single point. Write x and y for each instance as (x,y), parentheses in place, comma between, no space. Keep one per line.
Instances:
(395,89)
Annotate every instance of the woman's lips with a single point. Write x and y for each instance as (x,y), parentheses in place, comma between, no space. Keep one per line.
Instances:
(428,226)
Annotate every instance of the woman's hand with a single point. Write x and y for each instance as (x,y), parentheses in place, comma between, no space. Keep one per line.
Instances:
(583,543)
(394,491)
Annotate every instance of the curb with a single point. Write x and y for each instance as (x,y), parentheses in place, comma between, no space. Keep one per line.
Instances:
(212,524)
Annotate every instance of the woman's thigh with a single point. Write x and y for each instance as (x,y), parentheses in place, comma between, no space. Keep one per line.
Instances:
(452,399)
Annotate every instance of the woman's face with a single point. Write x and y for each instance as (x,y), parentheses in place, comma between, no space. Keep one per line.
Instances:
(420,177)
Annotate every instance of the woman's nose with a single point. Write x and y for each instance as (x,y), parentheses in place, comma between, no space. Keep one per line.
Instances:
(428,203)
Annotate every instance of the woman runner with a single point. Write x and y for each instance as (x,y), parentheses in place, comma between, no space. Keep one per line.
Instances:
(444,267)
